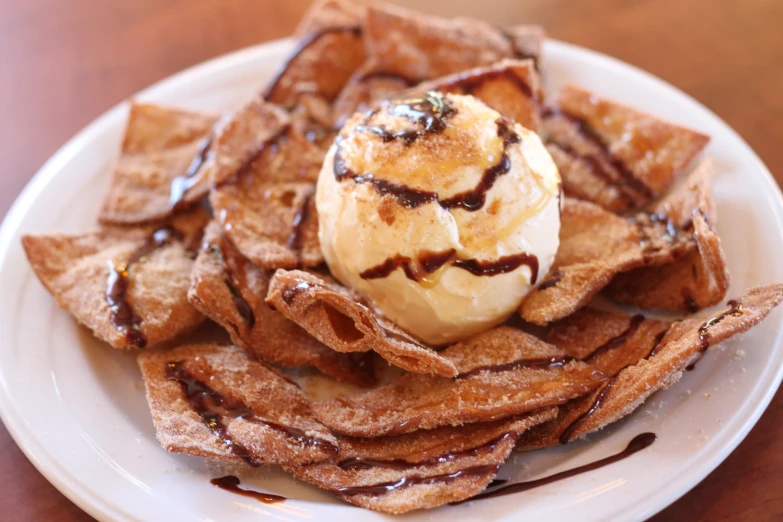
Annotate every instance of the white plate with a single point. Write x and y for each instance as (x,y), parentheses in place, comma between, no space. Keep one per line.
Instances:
(77,407)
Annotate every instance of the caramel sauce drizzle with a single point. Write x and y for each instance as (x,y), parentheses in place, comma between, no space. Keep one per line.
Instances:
(230,273)
(628,185)
(186,181)
(637,444)
(122,314)
(304,44)
(213,407)
(405,464)
(296,238)
(231,483)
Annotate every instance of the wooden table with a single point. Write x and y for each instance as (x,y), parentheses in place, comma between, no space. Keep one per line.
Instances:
(64,63)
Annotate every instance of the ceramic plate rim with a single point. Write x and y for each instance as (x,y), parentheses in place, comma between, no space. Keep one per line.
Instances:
(58,474)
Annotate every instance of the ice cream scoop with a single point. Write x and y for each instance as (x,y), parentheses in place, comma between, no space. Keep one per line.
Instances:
(440,212)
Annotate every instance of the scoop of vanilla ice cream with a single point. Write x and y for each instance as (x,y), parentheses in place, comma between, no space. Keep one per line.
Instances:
(440,212)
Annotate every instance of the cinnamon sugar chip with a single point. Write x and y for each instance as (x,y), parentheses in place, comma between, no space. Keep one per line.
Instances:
(212,401)
(614,155)
(511,87)
(265,183)
(608,341)
(230,290)
(421,470)
(160,164)
(329,50)
(335,316)
(502,372)
(660,367)
(80,272)
(405,48)
(698,280)
(242,136)
(596,245)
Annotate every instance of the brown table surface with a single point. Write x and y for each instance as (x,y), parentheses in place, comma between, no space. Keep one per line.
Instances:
(63,63)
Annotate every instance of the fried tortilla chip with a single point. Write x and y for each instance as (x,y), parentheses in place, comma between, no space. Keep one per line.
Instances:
(660,367)
(511,87)
(230,290)
(405,48)
(608,341)
(329,50)
(698,280)
(242,136)
(128,285)
(502,372)
(212,401)
(420,470)
(614,155)
(265,182)
(336,316)
(596,246)
(160,164)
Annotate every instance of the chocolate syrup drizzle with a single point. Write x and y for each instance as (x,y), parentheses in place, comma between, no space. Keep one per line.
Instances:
(547,363)
(431,114)
(122,314)
(566,435)
(735,309)
(428,262)
(213,407)
(230,275)
(304,43)
(407,80)
(428,111)
(406,482)
(633,327)
(403,464)
(296,238)
(552,281)
(517,52)
(638,443)
(184,182)
(470,83)
(290,293)
(628,186)
(231,483)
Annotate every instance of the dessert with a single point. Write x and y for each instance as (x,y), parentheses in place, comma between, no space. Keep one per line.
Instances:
(336,316)
(440,212)
(437,208)
(159,166)
(215,389)
(611,154)
(128,285)
(230,290)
